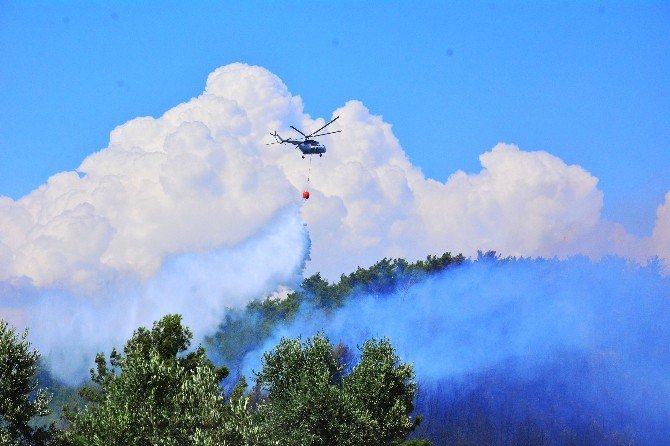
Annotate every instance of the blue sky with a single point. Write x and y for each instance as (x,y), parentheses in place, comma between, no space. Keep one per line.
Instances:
(588,82)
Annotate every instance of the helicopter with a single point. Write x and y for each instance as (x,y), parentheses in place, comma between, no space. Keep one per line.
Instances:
(307,146)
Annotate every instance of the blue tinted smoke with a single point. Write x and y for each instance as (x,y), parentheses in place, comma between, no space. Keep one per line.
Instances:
(570,348)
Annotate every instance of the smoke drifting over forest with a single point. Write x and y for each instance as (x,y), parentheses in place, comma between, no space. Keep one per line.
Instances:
(570,343)
(69,329)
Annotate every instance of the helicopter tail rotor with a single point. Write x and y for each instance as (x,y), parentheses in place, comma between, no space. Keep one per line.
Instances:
(278,139)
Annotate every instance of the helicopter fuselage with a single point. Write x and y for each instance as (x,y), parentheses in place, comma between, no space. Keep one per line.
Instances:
(308,146)
(311,147)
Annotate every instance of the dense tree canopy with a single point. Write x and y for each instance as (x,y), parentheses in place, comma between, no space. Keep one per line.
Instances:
(311,400)
(20,398)
(154,394)
(307,393)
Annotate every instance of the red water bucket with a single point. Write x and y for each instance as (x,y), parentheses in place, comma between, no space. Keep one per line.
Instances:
(305,195)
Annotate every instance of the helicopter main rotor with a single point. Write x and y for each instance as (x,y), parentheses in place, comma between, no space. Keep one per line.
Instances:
(314,133)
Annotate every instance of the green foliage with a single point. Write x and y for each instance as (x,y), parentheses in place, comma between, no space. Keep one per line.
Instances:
(245,331)
(242,332)
(422,442)
(153,394)
(243,424)
(62,395)
(384,277)
(309,400)
(384,388)
(20,398)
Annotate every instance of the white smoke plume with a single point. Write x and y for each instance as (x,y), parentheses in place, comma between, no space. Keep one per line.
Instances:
(70,329)
(200,179)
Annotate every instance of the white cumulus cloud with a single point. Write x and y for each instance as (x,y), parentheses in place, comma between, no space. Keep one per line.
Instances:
(201,176)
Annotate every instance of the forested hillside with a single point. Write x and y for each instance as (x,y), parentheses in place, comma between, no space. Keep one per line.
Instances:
(289,361)
(244,331)
(495,406)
